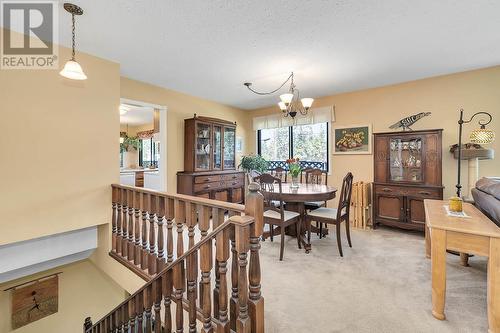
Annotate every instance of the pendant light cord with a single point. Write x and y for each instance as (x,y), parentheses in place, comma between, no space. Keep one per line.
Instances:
(73,39)
(270,92)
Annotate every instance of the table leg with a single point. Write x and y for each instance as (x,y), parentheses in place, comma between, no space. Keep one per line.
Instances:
(464,259)
(494,286)
(427,242)
(438,257)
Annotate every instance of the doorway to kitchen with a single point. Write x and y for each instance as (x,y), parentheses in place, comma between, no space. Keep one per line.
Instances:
(143,144)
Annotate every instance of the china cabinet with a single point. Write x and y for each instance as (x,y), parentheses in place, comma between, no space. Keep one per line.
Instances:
(210,160)
(407,170)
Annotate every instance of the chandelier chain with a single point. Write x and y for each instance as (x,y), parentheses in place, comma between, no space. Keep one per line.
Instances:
(270,92)
(73,37)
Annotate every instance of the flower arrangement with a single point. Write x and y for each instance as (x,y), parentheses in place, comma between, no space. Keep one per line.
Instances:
(294,167)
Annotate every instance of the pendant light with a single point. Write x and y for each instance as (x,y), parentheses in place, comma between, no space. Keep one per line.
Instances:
(72,69)
(291,104)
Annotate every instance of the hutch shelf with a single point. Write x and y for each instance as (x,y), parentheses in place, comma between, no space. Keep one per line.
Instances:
(210,161)
(407,170)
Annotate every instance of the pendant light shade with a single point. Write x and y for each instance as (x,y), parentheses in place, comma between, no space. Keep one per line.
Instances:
(482,136)
(282,106)
(72,70)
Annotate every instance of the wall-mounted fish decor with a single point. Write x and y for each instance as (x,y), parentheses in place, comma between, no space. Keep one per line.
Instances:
(405,123)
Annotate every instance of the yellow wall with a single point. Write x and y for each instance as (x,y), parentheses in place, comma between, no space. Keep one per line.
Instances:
(181,106)
(443,96)
(62,148)
(83,291)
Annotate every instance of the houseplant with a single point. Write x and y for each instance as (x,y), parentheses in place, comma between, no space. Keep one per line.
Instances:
(129,142)
(253,162)
(294,169)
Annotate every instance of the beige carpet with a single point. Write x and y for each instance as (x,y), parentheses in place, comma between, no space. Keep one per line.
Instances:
(382,284)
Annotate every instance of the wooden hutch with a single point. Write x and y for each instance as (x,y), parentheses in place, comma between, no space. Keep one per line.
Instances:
(407,170)
(210,161)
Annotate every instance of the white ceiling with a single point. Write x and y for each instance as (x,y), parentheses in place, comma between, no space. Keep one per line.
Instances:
(136,115)
(209,48)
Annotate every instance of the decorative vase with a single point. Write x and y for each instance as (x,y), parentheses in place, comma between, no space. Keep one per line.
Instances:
(295,182)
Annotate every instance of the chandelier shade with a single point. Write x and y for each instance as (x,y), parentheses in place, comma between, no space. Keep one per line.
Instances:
(307,102)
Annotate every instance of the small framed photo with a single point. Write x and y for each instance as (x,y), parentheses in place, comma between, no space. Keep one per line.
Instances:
(352,139)
(239,144)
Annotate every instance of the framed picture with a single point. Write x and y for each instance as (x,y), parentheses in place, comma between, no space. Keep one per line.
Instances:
(353,139)
(239,144)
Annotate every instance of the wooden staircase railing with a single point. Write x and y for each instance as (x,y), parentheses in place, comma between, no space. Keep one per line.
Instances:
(181,282)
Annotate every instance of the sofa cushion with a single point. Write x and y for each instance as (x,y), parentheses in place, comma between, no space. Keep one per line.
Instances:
(489,185)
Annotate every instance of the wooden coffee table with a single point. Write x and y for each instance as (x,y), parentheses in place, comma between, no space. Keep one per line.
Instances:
(477,235)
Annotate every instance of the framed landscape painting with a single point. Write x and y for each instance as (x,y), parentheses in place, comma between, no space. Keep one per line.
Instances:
(353,139)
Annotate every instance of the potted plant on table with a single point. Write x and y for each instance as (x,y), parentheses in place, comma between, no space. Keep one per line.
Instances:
(251,163)
(294,169)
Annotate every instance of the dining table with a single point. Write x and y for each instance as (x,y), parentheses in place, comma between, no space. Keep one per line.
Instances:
(295,199)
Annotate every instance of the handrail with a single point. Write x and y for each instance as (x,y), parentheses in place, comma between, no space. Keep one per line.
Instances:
(245,220)
(197,200)
(143,226)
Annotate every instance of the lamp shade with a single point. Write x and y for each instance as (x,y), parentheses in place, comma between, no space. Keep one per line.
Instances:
(122,139)
(286,98)
(482,136)
(307,102)
(282,106)
(72,70)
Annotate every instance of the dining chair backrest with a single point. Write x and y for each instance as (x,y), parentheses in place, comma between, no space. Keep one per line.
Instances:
(280,173)
(317,176)
(345,199)
(270,184)
(303,174)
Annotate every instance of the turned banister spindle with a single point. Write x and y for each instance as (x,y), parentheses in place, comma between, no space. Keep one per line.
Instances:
(218,219)
(119,321)
(114,204)
(203,225)
(144,230)
(126,318)
(233,305)
(157,295)
(222,256)
(162,201)
(192,275)
(254,206)
(148,303)
(130,240)
(125,223)
(139,309)
(119,222)
(137,229)
(153,209)
(170,226)
(242,233)
(87,325)
(167,287)
(180,218)
(178,273)
(131,314)
(190,222)
(206,264)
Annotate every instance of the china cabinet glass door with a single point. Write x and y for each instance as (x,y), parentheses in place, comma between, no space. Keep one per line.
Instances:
(406,160)
(217,147)
(229,147)
(203,146)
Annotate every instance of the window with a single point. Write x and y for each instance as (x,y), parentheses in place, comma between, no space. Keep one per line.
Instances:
(147,153)
(308,142)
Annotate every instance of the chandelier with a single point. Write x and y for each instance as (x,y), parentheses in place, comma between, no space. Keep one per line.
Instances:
(72,69)
(291,104)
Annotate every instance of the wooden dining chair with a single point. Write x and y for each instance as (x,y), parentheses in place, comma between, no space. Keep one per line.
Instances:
(303,174)
(280,173)
(335,215)
(277,215)
(320,177)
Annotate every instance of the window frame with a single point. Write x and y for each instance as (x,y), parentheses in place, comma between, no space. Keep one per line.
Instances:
(152,150)
(290,143)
